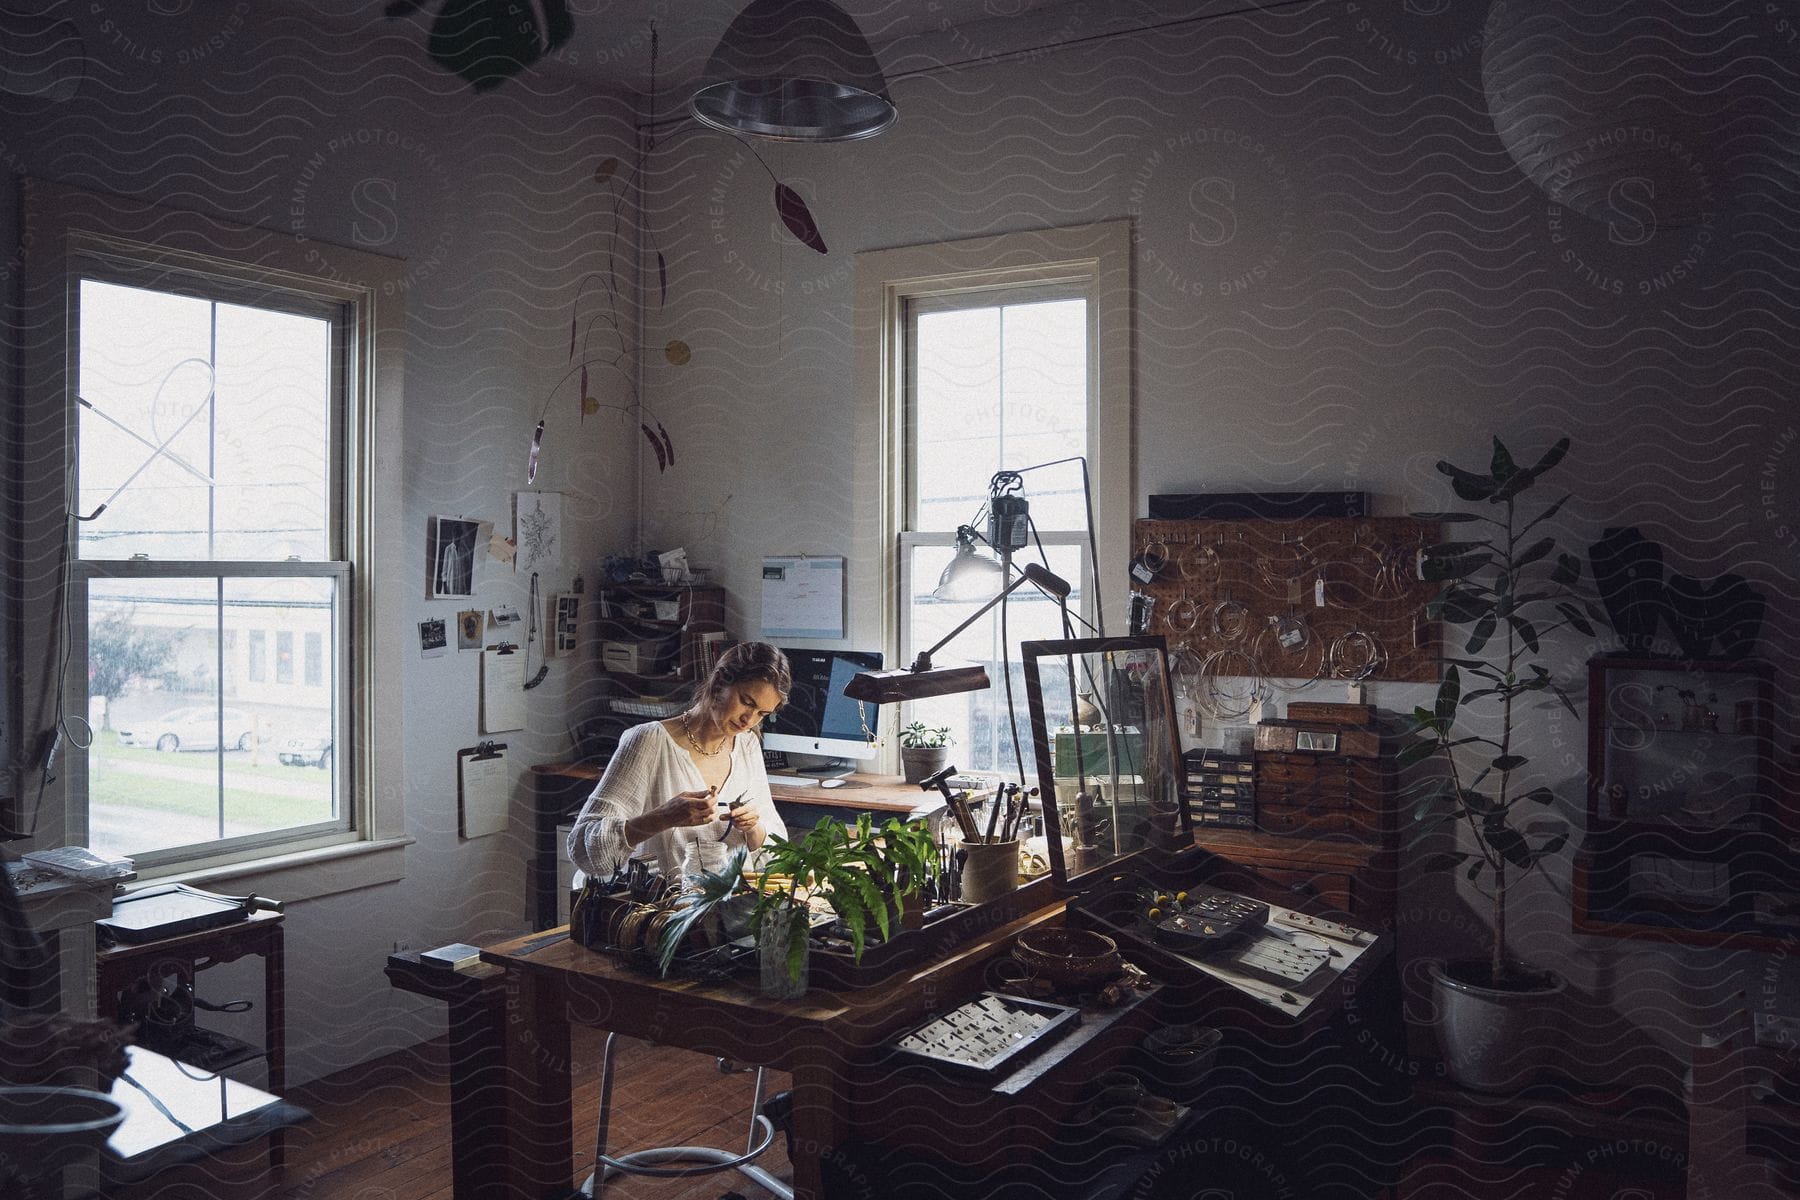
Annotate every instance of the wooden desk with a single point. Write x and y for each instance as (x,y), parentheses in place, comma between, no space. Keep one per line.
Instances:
(260,933)
(826,1039)
(560,789)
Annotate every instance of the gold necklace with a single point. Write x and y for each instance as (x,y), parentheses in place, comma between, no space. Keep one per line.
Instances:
(687,731)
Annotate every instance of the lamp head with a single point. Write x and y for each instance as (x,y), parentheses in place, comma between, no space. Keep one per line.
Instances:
(794,70)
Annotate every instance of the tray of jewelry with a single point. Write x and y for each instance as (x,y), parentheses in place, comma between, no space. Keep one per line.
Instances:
(988,1035)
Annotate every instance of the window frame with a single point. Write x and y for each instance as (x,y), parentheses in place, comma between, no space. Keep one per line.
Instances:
(1094,257)
(65,228)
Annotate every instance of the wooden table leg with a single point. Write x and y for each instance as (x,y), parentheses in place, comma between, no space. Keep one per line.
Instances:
(540,1138)
(275,1028)
(819,1126)
(478,1094)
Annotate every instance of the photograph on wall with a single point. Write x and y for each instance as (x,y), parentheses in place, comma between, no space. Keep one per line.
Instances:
(469,624)
(451,554)
(432,638)
(537,531)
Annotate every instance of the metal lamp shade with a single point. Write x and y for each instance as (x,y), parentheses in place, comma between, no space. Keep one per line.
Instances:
(794,70)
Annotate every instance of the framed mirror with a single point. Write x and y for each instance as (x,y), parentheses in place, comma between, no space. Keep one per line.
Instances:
(1103,728)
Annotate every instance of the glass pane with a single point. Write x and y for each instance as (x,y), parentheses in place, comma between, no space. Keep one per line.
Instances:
(186,750)
(290,777)
(153,700)
(214,419)
(999,387)
(980,721)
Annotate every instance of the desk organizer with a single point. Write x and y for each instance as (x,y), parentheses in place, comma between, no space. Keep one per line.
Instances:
(615,924)
(988,1035)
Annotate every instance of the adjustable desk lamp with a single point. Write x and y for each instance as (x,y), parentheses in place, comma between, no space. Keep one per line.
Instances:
(925,678)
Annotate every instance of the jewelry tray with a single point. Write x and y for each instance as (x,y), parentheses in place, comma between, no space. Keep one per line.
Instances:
(1012,1028)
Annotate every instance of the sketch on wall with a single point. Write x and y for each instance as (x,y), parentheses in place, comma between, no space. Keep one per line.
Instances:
(537,529)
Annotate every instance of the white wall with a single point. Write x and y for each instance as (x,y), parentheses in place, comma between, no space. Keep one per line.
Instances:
(1342,277)
(348,136)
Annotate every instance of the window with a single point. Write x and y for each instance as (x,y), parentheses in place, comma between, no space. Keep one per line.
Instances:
(209,413)
(207,401)
(992,355)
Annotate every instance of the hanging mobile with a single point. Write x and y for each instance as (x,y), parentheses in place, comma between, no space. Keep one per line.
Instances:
(531,632)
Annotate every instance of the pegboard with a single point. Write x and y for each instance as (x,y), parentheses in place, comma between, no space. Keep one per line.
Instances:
(1285,594)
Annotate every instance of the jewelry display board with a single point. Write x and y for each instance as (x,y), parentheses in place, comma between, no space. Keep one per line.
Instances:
(1325,598)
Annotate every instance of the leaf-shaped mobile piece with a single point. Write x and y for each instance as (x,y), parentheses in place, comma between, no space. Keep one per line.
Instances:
(608,167)
(662,279)
(662,455)
(797,217)
(584,391)
(668,445)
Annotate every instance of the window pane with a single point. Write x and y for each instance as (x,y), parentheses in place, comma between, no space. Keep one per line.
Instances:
(258,668)
(979,720)
(187,750)
(998,387)
(215,418)
(315,660)
(296,727)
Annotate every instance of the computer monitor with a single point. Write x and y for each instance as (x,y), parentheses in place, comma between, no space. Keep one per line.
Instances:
(818,718)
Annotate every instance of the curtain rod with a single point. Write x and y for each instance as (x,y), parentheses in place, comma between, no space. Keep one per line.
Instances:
(1005,55)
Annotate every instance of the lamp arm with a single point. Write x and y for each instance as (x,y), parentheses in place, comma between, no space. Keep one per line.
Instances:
(1045,581)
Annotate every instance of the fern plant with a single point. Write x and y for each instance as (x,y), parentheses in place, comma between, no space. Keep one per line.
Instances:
(1509,590)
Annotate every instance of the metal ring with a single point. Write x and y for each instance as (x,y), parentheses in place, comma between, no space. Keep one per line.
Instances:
(1188,618)
(1155,554)
(1230,619)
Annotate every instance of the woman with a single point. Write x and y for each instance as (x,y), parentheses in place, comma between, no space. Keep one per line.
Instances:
(664,794)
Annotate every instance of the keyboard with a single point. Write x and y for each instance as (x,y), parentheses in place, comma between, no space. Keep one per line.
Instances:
(657,709)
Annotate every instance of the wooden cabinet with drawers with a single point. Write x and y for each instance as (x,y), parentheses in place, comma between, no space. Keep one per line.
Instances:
(1326,815)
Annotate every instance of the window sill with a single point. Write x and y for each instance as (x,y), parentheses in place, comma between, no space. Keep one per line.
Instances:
(300,874)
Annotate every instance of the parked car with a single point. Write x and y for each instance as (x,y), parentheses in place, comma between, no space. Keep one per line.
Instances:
(306,750)
(193,728)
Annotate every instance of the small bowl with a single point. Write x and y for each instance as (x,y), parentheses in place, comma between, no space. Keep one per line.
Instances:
(1068,958)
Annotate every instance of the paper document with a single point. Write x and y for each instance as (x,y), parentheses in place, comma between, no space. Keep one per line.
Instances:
(483,790)
(803,597)
(502,691)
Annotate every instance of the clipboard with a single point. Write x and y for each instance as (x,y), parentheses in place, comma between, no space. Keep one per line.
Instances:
(483,790)
(502,689)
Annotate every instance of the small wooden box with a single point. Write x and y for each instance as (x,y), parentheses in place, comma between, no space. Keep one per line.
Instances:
(1317,737)
(1331,714)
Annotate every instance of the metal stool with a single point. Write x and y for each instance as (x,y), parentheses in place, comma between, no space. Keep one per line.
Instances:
(701,1160)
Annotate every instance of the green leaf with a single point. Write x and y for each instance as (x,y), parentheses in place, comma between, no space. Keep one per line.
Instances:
(1548,848)
(1502,467)
(1462,607)
(1475,869)
(1466,484)
(1567,571)
(1511,846)
(1477,802)
(1484,629)
(1417,752)
(1552,456)
(1526,631)
(1436,570)
(1452,549)
(1546,514)
(1448,517)
(1540,795)
(1535,551)
(1449,692)
(1509,762)
(1573,616)
(1443,860)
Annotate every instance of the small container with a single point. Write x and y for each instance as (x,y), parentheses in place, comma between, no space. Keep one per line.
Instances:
(1178,1058)
(991,871)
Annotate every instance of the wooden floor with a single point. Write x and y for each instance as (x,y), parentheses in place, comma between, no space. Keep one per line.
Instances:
(381,1131)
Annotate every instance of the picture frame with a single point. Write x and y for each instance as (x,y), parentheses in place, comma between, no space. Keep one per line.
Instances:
(450,547)
(565,625)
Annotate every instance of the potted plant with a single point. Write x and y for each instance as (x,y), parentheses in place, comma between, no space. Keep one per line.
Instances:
(1509,587)
(902,858)
(923,750)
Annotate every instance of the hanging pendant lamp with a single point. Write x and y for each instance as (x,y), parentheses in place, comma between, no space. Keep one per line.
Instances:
(794,71)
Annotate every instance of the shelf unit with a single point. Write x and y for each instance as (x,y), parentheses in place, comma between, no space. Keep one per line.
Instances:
(1690,833)
(671,617)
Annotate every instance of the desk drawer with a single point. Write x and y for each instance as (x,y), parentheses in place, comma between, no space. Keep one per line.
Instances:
(1317,820)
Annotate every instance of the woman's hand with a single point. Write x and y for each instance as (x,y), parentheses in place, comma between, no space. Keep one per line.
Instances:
(747,821)
(688,808)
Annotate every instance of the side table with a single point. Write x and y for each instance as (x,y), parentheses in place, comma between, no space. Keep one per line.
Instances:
(117,967)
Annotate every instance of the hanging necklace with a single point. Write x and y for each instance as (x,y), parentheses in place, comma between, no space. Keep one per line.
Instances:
(687,731)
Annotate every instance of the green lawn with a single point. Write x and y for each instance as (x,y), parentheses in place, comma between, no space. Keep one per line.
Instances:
(114,784)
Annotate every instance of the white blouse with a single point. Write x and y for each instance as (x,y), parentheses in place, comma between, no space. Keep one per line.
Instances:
(648,770)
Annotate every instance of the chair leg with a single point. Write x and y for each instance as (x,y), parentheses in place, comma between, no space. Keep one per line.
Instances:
(756,1098)
(606,1082)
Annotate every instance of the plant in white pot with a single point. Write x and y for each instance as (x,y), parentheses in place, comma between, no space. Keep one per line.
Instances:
(923,750)
(1508,585)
